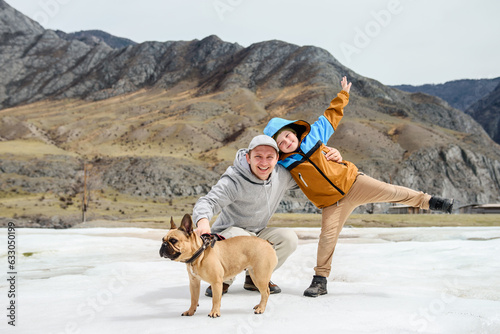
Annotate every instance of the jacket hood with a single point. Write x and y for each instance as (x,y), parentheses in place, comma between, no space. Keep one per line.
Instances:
(275,124)
(302,128)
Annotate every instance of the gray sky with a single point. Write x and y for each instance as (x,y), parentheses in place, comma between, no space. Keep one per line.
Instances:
(392,41)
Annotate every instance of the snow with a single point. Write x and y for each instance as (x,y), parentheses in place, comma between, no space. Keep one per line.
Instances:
(384,280)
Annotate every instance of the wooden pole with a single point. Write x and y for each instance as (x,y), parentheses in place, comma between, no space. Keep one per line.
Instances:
(84,203)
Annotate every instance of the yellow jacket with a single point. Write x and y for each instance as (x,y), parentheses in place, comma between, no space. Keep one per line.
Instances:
(323,182)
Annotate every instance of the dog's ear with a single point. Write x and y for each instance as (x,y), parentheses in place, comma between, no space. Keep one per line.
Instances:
(172,224)
(186,224)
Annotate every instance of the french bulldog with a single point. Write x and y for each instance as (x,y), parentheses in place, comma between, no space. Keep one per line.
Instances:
(216,262)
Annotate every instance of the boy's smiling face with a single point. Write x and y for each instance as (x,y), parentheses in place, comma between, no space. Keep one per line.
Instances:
(287,142)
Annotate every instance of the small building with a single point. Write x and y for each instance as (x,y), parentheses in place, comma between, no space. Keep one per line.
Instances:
(406,210)
(480,208)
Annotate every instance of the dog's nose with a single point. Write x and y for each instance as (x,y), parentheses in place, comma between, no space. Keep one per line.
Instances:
(162,248)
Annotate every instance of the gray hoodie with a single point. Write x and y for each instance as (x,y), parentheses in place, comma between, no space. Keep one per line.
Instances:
(243,199)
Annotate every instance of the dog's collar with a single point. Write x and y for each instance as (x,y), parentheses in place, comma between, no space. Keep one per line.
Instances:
(208,240)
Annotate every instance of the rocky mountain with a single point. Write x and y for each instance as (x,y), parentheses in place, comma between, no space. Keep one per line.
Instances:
(487,112)
(469,96)
(459,94)
(157,123)
(94,37)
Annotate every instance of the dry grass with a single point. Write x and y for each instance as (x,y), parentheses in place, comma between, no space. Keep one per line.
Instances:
(390,220)
(179,123)
(31,148)
(105,205)
(314,220)
(113,209)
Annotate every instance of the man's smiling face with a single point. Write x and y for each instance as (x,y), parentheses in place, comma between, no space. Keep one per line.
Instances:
(262,160)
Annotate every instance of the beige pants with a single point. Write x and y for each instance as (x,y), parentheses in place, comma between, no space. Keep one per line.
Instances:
(365,190)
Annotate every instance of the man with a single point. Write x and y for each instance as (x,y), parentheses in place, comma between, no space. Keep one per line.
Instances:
(246,196)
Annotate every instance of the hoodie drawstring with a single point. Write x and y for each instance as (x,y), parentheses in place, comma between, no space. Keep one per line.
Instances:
(267,197)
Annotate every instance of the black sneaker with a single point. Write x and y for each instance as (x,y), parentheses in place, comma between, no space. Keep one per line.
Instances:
(225,287)
(441,204)
(273,288)
(317,287)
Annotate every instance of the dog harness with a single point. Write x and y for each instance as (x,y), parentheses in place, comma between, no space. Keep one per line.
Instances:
(208,240)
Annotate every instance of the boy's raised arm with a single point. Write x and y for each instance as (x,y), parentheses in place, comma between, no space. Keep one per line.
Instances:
(335,111)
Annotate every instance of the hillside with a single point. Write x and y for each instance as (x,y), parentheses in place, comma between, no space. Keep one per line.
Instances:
(459,94)
(487,112)
(478,98)
(156,124)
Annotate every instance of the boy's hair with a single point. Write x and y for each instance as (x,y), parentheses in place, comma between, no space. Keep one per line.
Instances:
(285,128)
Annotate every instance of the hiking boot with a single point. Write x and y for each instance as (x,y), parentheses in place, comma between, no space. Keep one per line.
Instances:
(273,288)
(441,204)
(317,287)
(225,287)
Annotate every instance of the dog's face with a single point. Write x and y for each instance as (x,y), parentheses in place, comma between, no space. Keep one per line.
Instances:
(177,245)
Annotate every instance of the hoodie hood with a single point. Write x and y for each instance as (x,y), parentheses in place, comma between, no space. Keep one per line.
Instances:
(276,124)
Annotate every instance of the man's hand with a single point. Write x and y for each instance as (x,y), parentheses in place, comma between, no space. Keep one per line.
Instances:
(332,155)
(203,227)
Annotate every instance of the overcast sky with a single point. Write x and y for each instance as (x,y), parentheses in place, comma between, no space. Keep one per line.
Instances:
(392,41)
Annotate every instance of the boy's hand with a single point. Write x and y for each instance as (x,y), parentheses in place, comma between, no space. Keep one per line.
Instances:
(345,85)
(333,155)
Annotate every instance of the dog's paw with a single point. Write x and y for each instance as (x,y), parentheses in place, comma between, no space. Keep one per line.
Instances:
(259,309)
(188,313)
(214,314)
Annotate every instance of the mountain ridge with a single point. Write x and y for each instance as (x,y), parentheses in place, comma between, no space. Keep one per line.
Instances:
(487,112)
(94,37)
(460,94)
(163,120)
(474,97)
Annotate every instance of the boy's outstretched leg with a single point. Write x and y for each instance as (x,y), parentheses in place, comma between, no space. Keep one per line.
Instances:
(441,204)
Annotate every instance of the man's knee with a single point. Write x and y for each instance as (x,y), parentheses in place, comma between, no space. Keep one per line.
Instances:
(285,242)
(234,231)
(285,239)
(291,239)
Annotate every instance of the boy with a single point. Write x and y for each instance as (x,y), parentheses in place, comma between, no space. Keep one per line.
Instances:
(336,187)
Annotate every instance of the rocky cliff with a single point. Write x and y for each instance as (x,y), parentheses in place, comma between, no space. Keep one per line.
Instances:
(162,121)
(478,98)
(486,112)
(459,94)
